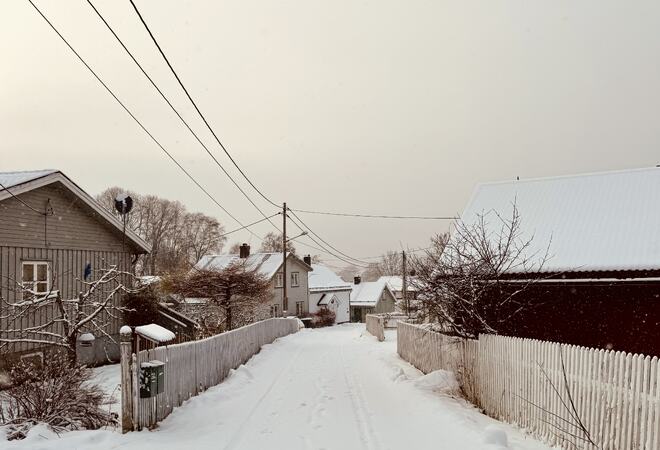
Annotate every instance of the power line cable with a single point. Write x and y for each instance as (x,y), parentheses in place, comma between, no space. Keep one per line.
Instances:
(324,241)
(153,83)
(250,224)
(128,111)
(324,249)
(374,216)
(208,125)
(42,213)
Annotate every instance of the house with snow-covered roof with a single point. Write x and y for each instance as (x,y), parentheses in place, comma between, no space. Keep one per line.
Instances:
(600,284)
(327,290)
(270,265)
(371,297)
(55,237)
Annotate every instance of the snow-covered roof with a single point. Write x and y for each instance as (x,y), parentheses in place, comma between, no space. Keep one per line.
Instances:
(593,222)
(367,293)
(11,179)
(267,264)
(16,183)
(324,279)
(396,283)
(155,332)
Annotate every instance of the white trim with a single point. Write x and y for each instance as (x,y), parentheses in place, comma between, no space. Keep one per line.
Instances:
(84,196)
(582,280)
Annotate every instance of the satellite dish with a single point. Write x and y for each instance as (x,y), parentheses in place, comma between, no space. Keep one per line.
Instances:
(123,203)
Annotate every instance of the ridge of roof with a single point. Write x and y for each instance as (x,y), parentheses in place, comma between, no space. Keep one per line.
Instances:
(568,176)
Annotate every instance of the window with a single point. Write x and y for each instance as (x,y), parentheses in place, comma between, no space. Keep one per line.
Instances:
(295,282)
(274,311)
(36,276)
(299,308)
(279,280)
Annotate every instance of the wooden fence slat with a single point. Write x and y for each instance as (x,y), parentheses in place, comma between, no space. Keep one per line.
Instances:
(192,367)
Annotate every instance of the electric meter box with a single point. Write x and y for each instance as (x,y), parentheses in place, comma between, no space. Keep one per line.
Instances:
(152,378)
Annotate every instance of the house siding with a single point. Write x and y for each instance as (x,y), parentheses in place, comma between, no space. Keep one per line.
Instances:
(295,294)
(75,236)
(73,224)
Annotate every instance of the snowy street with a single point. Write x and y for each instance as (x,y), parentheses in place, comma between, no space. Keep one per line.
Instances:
(331,388)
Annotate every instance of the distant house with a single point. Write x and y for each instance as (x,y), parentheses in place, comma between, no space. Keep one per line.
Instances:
(328,290)
(270,266)
(51,231)
(601,283)
(370,297)
(395,283)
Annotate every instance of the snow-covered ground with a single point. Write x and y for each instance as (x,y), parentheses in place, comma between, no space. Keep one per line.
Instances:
(332,388)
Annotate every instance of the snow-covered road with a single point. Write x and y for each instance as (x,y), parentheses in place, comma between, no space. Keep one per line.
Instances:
(333,388)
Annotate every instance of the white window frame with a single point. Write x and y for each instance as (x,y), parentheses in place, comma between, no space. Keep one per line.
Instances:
(279,280)
(295,276)
(30,285)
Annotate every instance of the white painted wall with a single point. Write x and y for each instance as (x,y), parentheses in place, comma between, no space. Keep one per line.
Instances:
(340,307)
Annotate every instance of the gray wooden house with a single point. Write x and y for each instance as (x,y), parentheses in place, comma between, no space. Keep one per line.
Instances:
(51,232)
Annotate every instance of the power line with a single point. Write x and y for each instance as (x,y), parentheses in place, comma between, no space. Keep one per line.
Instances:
(128,111)
(324,249)
(153,38)
(250,224)
(375,216)
(21,200)
(324,241)
(153,83)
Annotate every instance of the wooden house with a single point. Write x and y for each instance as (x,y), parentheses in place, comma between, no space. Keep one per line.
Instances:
(53,235)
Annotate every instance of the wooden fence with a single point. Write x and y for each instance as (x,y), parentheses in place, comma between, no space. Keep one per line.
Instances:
(190,368)
(574,397)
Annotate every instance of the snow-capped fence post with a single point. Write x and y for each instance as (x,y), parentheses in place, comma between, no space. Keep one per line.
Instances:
(125,345)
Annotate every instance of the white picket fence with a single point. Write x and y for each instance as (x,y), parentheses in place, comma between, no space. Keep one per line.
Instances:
(192,367)
(574,397)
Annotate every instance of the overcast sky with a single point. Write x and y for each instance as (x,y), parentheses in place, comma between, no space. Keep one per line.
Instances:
(382,107)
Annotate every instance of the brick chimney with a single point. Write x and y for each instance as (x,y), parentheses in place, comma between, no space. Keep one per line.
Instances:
(308,260)
(357,279)
(244,251)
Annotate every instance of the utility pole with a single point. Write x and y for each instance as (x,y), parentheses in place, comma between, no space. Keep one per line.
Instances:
(285,298)
(404,291)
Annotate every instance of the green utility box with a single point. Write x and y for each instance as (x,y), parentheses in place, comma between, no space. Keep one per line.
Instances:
(152,378)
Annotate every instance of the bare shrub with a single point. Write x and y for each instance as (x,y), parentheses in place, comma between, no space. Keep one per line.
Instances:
(54,393)
(323,318)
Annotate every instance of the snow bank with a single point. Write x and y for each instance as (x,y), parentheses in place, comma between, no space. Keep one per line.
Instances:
(441,381)
(496,437)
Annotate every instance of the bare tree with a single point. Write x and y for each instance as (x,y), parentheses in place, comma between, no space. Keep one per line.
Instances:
(462,282)
(273,243)
(235,248)
(91,312)
(349,273)
(236,290)
(388,265)
(177,237)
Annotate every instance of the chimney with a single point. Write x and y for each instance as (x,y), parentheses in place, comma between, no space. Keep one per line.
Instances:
(308,260)
(244,251)
(357,279)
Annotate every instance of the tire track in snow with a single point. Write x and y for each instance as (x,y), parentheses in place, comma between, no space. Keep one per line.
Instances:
(368,437)
(238,434)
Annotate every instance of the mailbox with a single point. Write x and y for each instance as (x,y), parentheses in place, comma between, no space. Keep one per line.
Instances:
(152,378)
